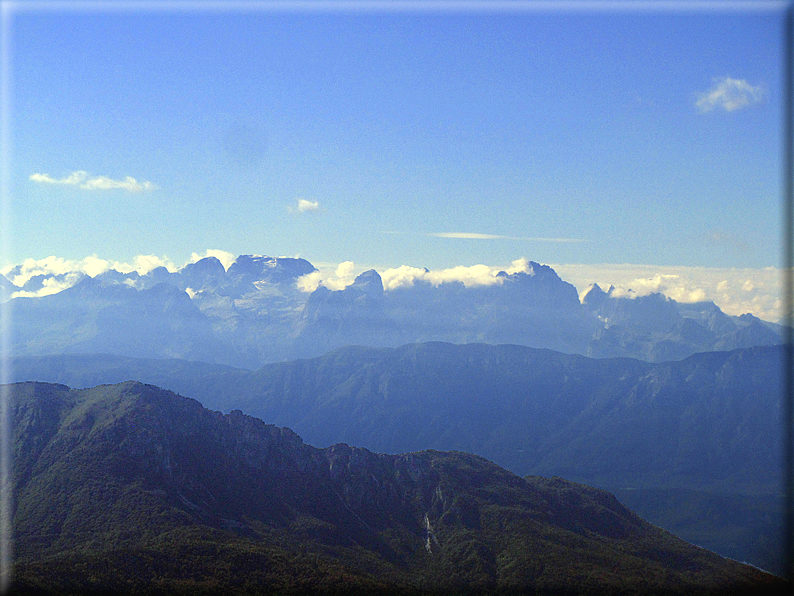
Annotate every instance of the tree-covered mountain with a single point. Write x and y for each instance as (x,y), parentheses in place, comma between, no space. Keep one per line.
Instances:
(132,489)
(257,312)
(699,435)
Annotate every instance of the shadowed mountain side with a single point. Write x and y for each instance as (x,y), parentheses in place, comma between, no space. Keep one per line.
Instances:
(129,488)
(92,317)
(714,418)
(537,309)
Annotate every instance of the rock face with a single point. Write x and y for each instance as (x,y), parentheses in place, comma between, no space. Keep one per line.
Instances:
(129,488)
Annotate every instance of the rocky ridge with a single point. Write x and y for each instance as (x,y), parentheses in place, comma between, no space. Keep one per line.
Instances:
(255,313)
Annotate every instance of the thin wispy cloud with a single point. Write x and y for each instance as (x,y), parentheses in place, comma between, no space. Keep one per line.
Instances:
(476,236)
(82,180)
(726,239)
(304,206)
(730,95)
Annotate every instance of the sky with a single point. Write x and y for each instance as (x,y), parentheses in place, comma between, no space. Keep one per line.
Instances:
(588,136)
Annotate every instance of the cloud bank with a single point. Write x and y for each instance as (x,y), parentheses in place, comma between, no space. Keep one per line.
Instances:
(72,271)
(405,276)
(729,94)
(471,276)
(735,291)
(82,180)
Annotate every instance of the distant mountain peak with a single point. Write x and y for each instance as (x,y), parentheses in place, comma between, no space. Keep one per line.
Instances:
(370,282)
(275,269)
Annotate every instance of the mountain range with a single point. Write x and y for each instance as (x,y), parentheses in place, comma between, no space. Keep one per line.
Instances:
(129,488)
(673,407)
(694,446)
(256,312)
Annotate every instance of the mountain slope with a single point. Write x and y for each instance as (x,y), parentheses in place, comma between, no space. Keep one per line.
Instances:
(700,435)
(714,417)
(132,488)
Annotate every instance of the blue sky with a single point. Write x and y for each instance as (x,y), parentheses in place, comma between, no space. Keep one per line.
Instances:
(429,138)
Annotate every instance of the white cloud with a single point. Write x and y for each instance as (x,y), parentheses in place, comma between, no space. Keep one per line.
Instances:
(339,279)
(309,282)
(405,276)
(735,291)
(729,94)
(342,277)
(81,179)
(519,266)
(142,264)
(20,274)
(304,206)
(471,276)
(72,179)
(129,183)
(72,270)
(50,286)
(402,276)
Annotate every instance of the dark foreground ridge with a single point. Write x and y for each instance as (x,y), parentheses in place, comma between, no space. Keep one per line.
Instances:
(133,489)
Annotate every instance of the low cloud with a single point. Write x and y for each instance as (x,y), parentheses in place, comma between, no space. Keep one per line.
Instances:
(405,276)
(729,94)
(82,180)
(142,264)
(304,206)
(735,291)
(20,274)
(471,276)
(338,279)
(72,270)
(50,286)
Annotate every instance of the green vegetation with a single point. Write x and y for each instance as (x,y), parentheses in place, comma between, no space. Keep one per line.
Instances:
(131,489)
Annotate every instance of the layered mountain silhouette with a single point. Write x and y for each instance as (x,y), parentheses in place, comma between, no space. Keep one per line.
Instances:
(129,488)
(694,446)
(255,313)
